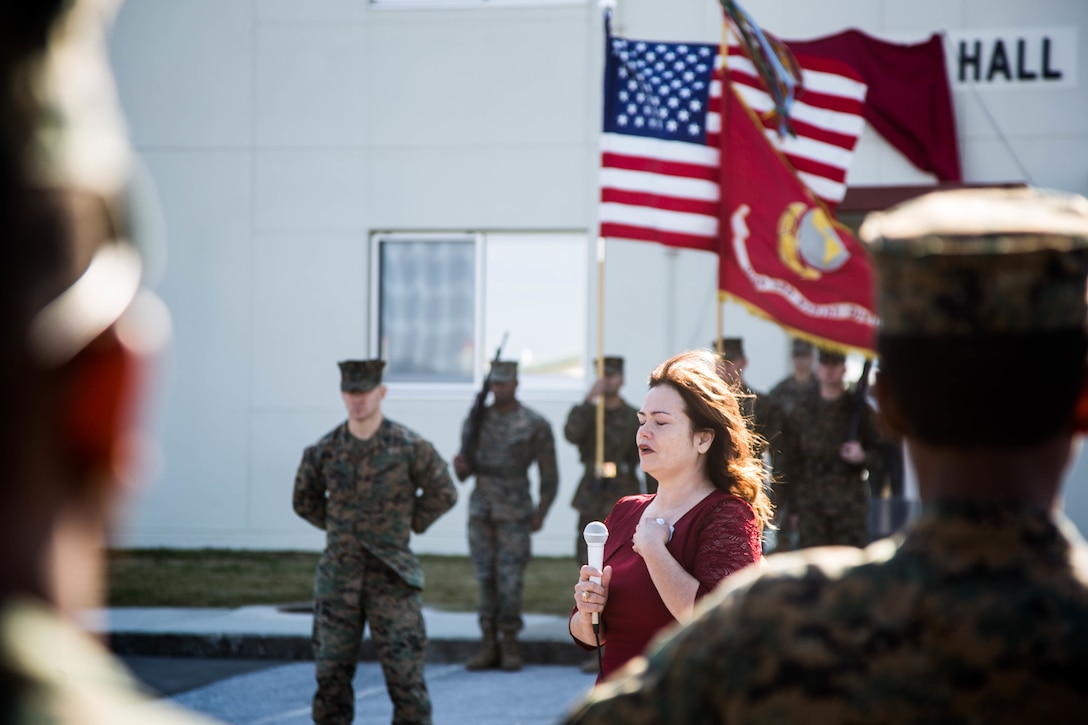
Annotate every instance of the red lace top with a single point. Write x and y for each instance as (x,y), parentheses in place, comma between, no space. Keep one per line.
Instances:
(717,537)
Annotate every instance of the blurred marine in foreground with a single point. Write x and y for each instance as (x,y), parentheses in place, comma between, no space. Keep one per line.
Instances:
(979,611)
(76,330)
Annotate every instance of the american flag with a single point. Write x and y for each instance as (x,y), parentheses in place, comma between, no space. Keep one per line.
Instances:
(827,117)
(660,160)
(659,149)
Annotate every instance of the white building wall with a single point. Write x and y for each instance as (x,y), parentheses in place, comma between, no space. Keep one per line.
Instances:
(281,134)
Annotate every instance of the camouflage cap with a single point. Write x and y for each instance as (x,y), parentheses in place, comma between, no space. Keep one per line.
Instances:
(504,371)
(359,376)
(977,262)
(799,346)
(613,365)
(732,347)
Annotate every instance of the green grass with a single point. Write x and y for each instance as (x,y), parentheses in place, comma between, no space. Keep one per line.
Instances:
(230,578)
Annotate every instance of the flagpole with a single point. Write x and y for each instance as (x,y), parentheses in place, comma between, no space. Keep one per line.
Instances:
(598,462)
(723,53)
(721,326)
(598,456)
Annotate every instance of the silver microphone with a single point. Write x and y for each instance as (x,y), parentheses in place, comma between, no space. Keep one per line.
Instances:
(595,533)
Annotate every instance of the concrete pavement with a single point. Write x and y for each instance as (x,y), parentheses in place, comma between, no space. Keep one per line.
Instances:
(243,666)
(283,633)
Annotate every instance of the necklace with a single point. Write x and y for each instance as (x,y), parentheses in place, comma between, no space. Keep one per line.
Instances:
(672,529)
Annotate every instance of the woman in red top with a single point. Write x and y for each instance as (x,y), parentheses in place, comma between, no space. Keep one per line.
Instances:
(666,550)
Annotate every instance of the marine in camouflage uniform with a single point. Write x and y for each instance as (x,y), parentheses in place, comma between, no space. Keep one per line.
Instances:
(978,613)
(830,497)
(791,390)
(765,418)
(597,494)
(368,484)
(501,512)
(764,415)
(789,393)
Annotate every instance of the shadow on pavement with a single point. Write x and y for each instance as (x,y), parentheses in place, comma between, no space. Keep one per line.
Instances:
(168,676)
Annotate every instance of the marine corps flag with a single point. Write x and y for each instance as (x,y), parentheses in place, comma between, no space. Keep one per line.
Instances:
(781,253)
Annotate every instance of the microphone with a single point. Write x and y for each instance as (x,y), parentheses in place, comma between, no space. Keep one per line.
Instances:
(595,534)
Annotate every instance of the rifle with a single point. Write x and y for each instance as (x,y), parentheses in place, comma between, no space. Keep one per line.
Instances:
(860,393)
(470,438)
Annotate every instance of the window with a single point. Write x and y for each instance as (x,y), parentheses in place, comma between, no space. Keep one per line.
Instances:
(443,303)
(427,324)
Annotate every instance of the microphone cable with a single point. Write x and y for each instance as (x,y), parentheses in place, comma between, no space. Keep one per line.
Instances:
(600,650)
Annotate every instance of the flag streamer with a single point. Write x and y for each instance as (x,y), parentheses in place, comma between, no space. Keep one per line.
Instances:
(777,68)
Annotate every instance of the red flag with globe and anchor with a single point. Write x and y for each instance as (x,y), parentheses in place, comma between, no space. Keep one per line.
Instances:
(781,253)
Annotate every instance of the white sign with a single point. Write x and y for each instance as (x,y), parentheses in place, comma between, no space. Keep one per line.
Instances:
(1013,59)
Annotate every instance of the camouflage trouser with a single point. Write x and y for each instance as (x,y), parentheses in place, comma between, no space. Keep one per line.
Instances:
(349,590)
(500,552)
(833,512)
